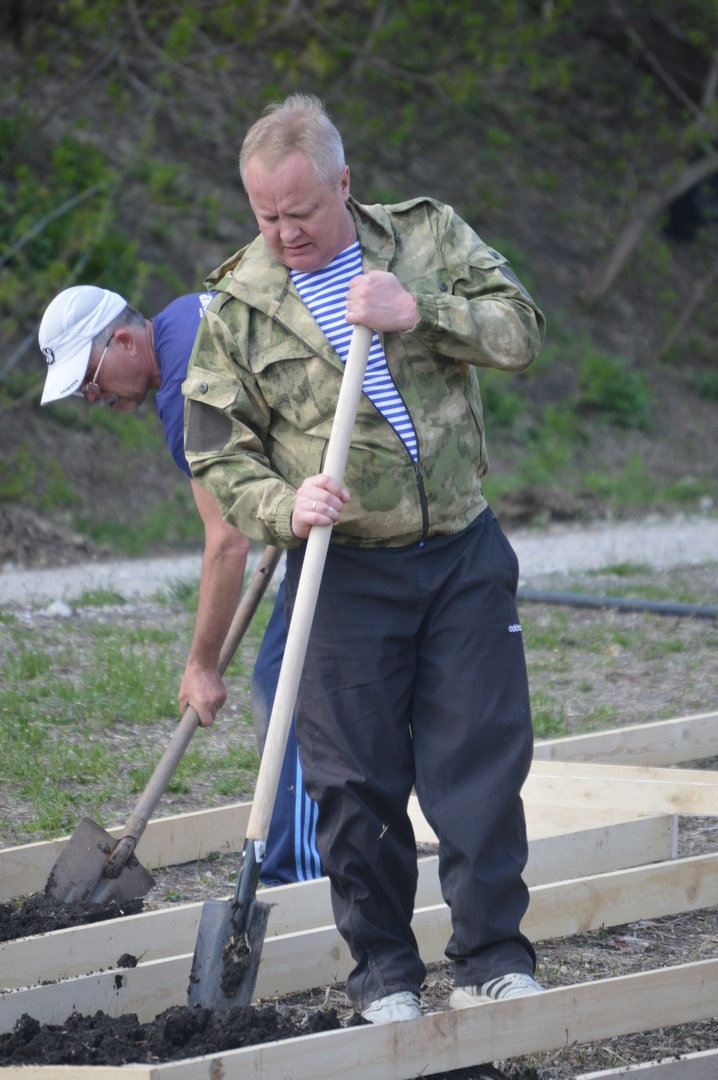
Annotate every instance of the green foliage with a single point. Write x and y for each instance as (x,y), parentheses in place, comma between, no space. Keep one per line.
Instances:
(79,204)
(630,487)
(33,480)
(170,521)
(504,403)
(55,216)
(705,384)
(611,387)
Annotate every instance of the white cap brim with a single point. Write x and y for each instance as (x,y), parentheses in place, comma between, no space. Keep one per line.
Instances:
(67,377)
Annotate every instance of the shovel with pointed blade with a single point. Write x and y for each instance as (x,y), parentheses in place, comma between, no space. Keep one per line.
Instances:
(96,868)
(231,932)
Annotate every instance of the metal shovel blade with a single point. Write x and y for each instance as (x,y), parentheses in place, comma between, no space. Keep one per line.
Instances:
(226,960)
(78,874)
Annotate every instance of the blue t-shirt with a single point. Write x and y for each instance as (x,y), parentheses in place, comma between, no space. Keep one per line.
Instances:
(175,329)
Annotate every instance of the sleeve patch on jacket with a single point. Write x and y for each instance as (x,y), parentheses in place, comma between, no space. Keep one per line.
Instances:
(207,428)
(508,272)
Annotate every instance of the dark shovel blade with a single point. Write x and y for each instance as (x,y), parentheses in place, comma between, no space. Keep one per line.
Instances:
(226,961)
(78,874)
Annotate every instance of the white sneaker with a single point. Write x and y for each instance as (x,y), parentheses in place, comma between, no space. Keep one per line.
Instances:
(513,985)
(400,1006)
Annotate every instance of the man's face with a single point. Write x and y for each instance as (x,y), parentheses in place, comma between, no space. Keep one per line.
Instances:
(116,376)
(304,222)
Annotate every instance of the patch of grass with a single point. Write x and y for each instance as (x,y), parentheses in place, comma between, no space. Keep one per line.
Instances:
(659,649)
(184,591)
(87,707)
(598,718)
(99,598)
(65,691)
(625,569)
(547,715)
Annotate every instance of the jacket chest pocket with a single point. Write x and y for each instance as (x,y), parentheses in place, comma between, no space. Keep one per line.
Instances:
(297,384)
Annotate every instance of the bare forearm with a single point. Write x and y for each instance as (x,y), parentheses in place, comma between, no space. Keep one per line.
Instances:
(221,578)
(220,589)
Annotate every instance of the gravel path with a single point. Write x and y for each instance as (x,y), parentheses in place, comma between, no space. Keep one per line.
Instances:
(554,550)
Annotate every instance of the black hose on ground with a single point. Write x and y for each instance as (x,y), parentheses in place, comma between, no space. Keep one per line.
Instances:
(586,600)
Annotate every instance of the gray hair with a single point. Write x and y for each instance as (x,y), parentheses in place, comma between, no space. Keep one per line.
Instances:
(129,316)
(299,123)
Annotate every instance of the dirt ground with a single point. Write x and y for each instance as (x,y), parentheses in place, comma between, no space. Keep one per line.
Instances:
(644,667)
(182,1032)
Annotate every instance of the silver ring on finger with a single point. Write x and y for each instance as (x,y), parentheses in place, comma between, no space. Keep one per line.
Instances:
(314,505)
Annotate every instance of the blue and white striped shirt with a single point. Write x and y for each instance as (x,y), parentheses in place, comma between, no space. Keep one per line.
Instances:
(325,294)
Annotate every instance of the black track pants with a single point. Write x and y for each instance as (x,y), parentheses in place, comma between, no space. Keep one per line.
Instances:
(415,677)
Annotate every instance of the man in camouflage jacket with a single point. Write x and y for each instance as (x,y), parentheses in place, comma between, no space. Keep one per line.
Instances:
(415,673)
(471,312)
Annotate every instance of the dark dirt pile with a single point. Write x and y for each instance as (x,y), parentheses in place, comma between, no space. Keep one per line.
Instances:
(39,914)
(178,1033)
(28,539)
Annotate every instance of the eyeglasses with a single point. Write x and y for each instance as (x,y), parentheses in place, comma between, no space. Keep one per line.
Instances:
(91,386)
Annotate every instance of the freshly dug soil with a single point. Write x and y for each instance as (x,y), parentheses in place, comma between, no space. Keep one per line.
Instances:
(178,1033)
(39,914)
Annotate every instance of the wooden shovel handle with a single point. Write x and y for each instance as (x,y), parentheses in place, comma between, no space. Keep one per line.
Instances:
(182,735)
(307,592)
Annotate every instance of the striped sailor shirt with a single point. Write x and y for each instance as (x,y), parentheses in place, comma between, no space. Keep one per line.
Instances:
(325,294)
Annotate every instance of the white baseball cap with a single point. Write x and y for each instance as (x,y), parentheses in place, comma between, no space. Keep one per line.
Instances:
(67,330)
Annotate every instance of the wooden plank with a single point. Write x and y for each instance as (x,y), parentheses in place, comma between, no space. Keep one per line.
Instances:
(665,742)
(627,787)
(319,957)
(624,896)
(441,1041)
(166,842)
(702,1065)
(491,1032)
(557,910)
(543,821)
(172,931)
(187,837)
(69,1072)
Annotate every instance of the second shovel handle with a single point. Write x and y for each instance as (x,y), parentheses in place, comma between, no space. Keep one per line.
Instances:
(182,735)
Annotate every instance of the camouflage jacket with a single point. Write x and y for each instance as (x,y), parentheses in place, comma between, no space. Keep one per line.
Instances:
(263,381)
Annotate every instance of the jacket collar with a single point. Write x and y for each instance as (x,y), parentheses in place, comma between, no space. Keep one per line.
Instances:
(254,276)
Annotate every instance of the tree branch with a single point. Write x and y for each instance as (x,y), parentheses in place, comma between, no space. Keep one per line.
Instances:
(660,72)
(711,86)
(38,227)
(647,212)
(689,310)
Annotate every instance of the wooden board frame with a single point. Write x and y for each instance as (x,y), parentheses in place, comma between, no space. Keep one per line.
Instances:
(440,1041)
(664,742)
(185,838)
(306,959)
(172,931)
(570,783)
(703,1065)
